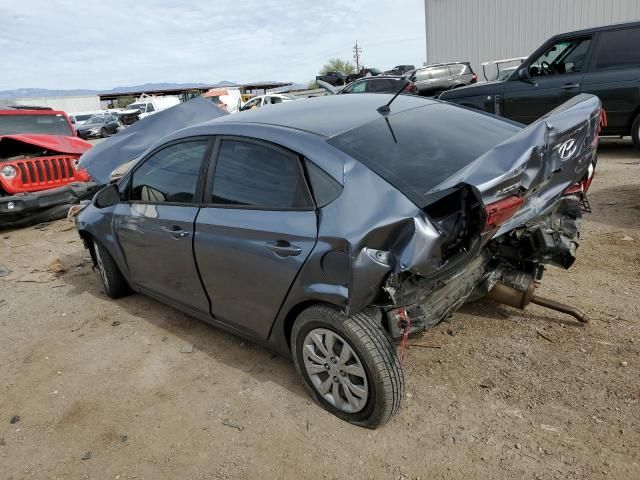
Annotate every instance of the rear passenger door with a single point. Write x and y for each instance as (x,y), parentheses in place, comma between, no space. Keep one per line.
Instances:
(614,76)
(256,228)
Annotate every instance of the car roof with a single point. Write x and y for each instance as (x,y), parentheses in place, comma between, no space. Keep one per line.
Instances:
(327,116)
(442,64)
(601,28)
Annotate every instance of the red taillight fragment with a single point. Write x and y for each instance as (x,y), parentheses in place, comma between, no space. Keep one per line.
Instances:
(474,78)
(498,213)
(583,185)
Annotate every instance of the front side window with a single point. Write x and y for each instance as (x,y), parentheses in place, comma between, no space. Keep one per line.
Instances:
(619,49)
(254,175)
(169,175)
(150,108)
(566,56)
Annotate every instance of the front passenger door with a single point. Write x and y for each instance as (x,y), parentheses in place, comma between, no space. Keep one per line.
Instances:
(254,232)
(556,76)
(155,226)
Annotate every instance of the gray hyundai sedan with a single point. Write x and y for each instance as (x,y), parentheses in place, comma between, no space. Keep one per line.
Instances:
(327,228)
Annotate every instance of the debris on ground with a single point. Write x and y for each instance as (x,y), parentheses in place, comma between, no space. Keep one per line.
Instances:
(627,238)
(187,348)
(56,267)
(227,423)
(15,419)
(86,455)
(4,271)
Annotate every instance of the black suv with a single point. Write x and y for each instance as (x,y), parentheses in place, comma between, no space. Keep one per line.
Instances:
(604,61)
(333,78)
(436,78)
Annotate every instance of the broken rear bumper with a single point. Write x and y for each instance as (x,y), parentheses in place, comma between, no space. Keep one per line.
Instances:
(24,203)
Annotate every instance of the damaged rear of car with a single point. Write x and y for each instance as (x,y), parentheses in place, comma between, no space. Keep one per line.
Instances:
(39,172)
(488,225)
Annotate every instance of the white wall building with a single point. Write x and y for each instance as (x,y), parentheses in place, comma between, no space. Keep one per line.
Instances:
(66,104)
(483,30)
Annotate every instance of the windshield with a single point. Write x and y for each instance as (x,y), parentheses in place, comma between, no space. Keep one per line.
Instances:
(82,118)
(54,124)
(375,71)
(137,106)
(95,120)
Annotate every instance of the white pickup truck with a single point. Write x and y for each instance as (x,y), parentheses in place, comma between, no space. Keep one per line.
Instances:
(150,104)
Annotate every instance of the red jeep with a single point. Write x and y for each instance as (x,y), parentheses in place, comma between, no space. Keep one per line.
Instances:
(39,152)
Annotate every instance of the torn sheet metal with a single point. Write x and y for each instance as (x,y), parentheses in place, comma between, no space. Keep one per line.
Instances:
(105,157)
(537,163)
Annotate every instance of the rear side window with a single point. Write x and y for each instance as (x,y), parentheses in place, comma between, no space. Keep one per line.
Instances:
(619,49)
(150,108)
(169,175)
(458,69)
(383,85)
(256,175)
(357,87)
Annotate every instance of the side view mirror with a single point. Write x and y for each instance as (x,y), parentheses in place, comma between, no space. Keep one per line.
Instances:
(523,75)
(107,197)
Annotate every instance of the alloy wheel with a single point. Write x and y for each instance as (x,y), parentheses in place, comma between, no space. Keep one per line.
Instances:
(335,370)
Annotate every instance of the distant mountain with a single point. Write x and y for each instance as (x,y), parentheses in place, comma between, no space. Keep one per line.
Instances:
(44,92)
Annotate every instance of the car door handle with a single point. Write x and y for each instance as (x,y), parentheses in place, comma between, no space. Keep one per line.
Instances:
(570,86)
(176,231)
(283,249)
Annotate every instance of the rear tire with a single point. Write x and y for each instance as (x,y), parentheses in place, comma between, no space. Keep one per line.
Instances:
(114,283)
(348,364)
(635,132)
(103,132)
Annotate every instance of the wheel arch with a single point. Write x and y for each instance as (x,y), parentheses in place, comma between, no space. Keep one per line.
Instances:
(294,312)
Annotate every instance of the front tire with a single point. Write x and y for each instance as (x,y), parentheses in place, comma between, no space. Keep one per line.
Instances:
(103,132)
(114,283)
(348,364)
(635,132)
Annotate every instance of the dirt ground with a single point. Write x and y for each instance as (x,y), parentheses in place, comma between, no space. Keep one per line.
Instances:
(104,389)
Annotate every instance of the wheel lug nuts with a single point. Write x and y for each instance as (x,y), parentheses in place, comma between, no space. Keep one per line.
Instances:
(335,379)
(334,359)
(342,373)
(326,366)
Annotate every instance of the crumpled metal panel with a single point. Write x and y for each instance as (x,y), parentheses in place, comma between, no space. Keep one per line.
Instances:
(132,142)
(529,163)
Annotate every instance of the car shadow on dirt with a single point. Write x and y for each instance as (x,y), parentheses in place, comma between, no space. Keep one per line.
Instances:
(618,149)
(233,351)
(617,206)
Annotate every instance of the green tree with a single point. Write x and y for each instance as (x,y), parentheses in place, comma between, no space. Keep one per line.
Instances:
(337,65)
(124,101)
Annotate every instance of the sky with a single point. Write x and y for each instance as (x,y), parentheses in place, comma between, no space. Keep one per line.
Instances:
(102,44)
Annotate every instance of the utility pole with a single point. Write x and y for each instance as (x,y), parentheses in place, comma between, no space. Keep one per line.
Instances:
(356,55)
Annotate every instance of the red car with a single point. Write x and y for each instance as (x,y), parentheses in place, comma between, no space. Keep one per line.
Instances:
(39,152)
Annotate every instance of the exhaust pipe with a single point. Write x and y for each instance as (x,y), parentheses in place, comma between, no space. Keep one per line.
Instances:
(503,293)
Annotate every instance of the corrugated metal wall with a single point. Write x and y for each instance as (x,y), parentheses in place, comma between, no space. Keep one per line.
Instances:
(483,30)
(66,104)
